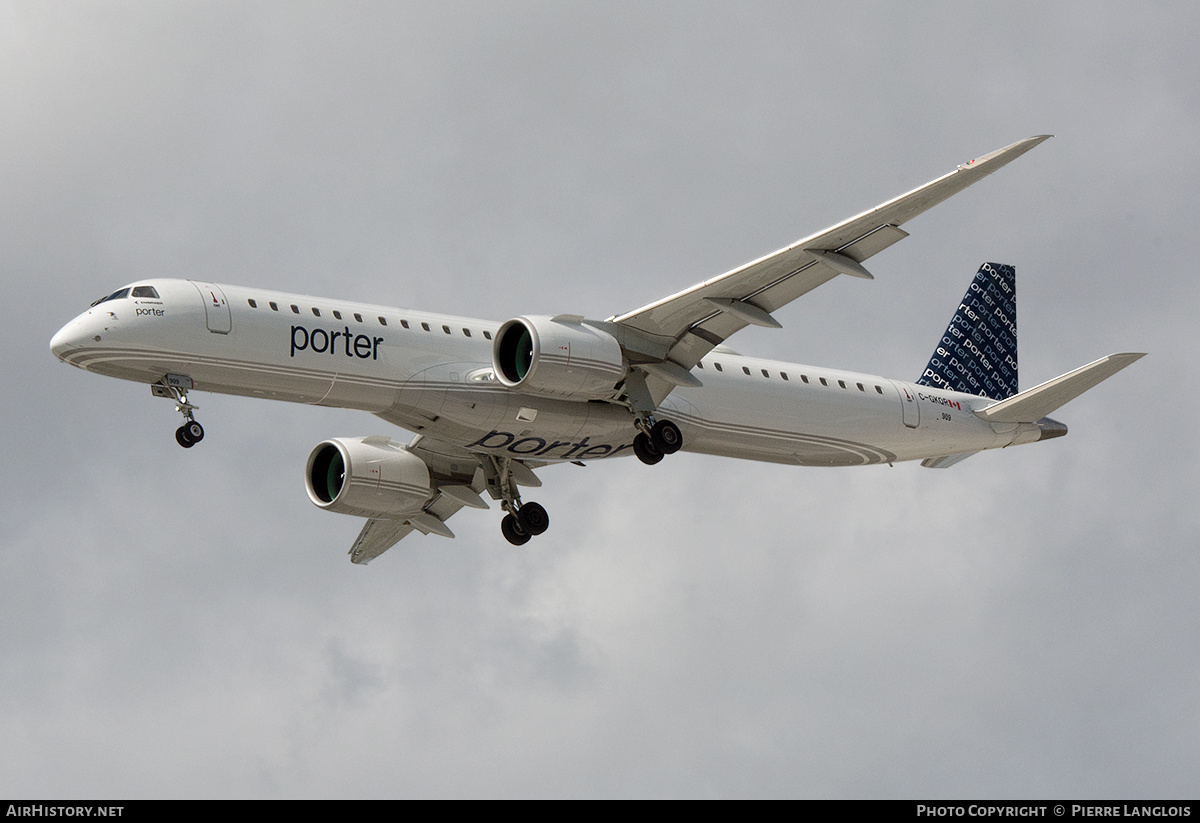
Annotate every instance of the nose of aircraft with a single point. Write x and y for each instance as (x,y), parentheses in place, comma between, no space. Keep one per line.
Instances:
(69,338)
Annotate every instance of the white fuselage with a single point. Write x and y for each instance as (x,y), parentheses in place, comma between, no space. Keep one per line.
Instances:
(432,374)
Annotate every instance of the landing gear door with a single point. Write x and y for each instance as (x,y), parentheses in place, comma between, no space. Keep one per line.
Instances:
(216,307)
(908,404)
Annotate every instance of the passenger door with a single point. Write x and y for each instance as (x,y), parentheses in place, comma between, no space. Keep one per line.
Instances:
(216,307)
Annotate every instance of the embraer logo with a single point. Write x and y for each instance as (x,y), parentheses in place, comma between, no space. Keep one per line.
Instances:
(319,340)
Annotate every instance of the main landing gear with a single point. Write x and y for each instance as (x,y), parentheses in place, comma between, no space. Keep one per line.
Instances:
(528,521)
(522,520)
(655,438)
(663,438)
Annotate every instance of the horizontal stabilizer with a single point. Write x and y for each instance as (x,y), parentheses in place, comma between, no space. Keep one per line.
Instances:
(1033,404)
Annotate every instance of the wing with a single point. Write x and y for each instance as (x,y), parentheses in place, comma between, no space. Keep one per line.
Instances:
(461,477)
(378,535)
(455,470)
(688,325)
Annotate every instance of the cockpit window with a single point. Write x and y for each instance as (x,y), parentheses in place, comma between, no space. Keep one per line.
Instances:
(145,291)
(117,295)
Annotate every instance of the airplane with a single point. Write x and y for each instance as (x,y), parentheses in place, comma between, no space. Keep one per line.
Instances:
(489,403)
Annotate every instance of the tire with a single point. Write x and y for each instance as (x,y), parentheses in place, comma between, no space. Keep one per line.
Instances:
(182,439)
(193,431)
(666,437)
(645,450)
(533,519)
(513,532)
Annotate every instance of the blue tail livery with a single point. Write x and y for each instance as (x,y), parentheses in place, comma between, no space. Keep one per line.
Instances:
(978,351)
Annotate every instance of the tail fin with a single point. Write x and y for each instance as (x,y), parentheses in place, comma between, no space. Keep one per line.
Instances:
(978,352)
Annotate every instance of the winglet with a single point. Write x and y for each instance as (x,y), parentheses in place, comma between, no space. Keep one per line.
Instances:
(1033,404)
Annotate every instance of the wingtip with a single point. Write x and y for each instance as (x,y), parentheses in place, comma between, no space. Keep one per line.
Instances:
(1030,142)
(1127,357)
(1008,153)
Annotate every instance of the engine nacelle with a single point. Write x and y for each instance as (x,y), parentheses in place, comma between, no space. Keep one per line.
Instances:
(368,477)
(558,357)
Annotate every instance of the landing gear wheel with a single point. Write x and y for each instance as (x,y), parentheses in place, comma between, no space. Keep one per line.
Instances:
(645,450)
(533,519)
(181,437)
(191,432)
(666,437)
(513,532)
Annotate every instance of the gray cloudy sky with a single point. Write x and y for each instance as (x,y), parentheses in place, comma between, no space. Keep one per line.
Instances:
(186,623)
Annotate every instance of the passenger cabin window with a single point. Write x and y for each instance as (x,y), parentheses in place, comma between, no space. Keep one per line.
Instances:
(717,366)
(358,317)
(295,309)
(466,332)
(446,329)
(253,305)
(337,314)
(382,320)
(425,326)
(274,306)
(746,369)
(783,374)
(145,291)
(316,312)
(487,335)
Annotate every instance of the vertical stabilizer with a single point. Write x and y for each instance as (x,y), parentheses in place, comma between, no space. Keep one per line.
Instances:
(978,351)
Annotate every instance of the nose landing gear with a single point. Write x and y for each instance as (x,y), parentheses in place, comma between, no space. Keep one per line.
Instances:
(176,386)
(189,434)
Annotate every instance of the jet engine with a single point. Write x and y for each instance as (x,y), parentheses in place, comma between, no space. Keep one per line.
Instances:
(367,477)
(558,357)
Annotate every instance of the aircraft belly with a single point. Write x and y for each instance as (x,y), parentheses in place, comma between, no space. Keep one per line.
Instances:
(213,370)
(791,424)
(518,426)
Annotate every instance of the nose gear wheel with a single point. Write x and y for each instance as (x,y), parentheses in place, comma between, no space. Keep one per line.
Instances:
(191,432)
